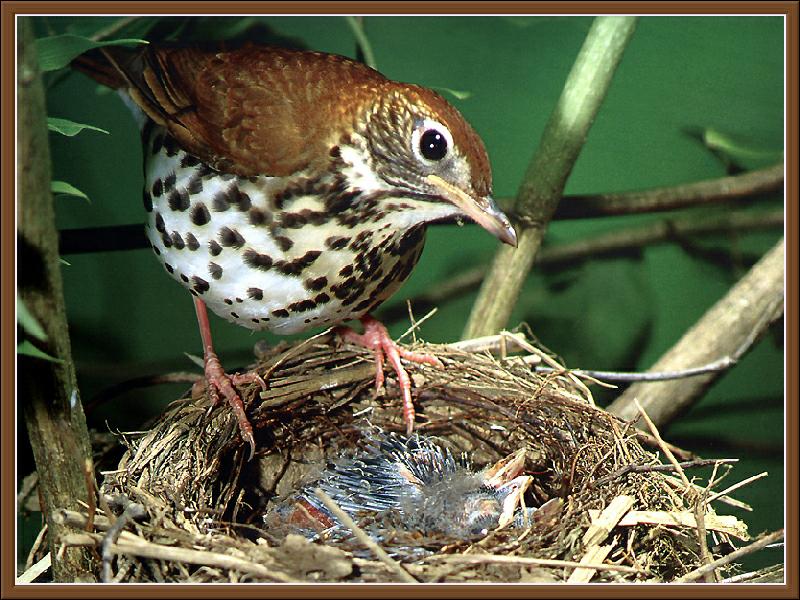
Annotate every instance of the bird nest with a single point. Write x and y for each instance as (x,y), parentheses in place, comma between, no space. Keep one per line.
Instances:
(185,504)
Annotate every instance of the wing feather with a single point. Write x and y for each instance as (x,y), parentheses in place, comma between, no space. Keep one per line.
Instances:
(254,110)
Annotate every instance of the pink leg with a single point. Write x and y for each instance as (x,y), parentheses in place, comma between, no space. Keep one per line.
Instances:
(376,338)
(220,383)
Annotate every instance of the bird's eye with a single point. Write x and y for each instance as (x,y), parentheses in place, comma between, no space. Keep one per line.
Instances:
(433,145)
(431,142)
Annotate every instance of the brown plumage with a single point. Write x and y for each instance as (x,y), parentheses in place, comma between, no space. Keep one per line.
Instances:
(260,110)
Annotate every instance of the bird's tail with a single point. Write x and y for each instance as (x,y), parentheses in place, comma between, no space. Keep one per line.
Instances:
(102,65)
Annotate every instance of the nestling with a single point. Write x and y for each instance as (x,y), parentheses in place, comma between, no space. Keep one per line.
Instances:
(412,484)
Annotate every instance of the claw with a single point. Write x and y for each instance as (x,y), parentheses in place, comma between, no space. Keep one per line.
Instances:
(221,384)
(377,339)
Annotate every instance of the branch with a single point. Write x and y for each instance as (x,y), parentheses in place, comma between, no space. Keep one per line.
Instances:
(81,240)
(752,183)
(48,390)
(729,328)
(544,181)
(761,543)
(628,239)
(668,230)
(747,186)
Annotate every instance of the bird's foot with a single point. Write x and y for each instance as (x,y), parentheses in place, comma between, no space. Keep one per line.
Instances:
(222,385)
(377,339)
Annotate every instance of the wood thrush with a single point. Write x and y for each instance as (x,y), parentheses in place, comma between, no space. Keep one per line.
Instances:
(288,189)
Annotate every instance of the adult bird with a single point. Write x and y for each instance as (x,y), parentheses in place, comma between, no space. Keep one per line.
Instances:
(290,189)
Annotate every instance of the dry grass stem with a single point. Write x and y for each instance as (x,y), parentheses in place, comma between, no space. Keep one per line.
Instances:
(759,544)
(736,486)
(595,555)
(540,562)
(32,573)
(664,448)
(362,537)
(723,523)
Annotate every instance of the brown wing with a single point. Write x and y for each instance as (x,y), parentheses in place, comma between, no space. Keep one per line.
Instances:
(252,111)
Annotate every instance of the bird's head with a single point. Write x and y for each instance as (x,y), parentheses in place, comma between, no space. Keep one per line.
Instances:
(504,477)
(419,144)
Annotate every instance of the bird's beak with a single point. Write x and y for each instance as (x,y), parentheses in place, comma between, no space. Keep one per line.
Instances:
(505,469)
(504,475)
(483,211)
(514,499)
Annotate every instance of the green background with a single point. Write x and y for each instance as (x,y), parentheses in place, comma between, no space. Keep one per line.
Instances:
(128,319)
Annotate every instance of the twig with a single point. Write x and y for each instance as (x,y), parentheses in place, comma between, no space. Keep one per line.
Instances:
(131,237)
(718,365)
(584,573)
(727,524)
(29,483)
(88,473)
(130,544)
(133,510)
(771,574)
(689,464)
(732,557)
(416,324)
(627,239)
(140,382)
(669,230)
(35,548)
(606,521)
(700,522)
(491,343)
(411,319)
(77,520)
(677,483)
(596,534)
(736,486)
(544,180)
(524,560)
(102,239)
(752,183)
(31,574)
(729,328)
(362,537)
(667,452)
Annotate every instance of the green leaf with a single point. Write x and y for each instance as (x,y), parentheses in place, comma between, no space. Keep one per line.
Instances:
(62,187)
(738,148)
(69,128)
(457,94)
(57,52)
(29,349)
(28,322)
(735,150)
